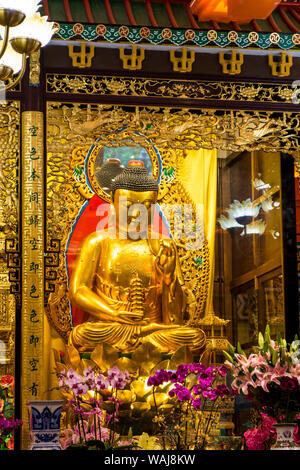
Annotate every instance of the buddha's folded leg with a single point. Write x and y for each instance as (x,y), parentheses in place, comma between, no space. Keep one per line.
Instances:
(172,339)
(87,336)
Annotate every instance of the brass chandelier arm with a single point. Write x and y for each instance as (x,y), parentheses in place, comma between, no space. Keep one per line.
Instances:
(5,42)
(19,77)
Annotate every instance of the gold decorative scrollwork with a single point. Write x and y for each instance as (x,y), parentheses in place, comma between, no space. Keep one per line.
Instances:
(9,231)
(171,88)
(184,129)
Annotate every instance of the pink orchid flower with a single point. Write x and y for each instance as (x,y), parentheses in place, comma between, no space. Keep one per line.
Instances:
(101,383)
(73,378)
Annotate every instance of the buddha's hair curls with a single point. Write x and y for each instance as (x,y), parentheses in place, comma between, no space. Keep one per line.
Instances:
(134,177)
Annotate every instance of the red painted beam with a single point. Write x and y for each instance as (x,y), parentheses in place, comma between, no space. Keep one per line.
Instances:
(295,14)
(46,8)
(192,20)
(236,26)
(109,12)
(151,14)
(68,10)
(287,20)
(129,13)
(255,26)
(215,25)
(170,14)
(88,11)
(273,24)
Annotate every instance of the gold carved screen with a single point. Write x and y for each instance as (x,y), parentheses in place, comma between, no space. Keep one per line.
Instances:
(9,232)
(75,136)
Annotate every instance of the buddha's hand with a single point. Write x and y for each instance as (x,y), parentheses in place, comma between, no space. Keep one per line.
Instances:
(130,318)
(166,260)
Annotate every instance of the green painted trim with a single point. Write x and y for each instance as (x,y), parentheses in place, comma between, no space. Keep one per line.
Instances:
(178,37)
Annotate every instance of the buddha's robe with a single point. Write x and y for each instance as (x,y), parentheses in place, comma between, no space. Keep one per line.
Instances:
(113,277)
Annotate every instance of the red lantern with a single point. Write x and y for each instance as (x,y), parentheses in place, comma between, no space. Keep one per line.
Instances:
(242,11)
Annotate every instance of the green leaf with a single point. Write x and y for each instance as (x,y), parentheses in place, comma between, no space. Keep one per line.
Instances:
(8,410)
(266,346)
(260,340)
(267,334)
(278,337)
(239,349)
(228,357)
(231,349)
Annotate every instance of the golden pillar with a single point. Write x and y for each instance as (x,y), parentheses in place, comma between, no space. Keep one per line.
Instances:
(32,320)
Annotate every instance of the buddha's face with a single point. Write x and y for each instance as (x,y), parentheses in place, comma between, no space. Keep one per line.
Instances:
(133,209)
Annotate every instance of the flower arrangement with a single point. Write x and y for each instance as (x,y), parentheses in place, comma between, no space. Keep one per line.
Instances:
(7,424)
(263,435)
(194,390)
(269,377)
(94,428)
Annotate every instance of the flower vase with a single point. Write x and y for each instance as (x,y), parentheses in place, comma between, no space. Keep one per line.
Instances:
(45,424)
(285,437)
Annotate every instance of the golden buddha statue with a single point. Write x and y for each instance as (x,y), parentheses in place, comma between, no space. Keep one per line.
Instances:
(131,287)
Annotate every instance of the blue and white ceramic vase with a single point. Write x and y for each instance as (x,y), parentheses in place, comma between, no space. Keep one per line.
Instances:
(45,424)
(285,437)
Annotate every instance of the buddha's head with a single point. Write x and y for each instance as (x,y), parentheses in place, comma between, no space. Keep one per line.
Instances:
(134,193)
(106,174)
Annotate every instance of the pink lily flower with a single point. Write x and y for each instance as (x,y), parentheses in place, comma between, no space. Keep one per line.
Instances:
(280,371)
(66,438)
(295,371)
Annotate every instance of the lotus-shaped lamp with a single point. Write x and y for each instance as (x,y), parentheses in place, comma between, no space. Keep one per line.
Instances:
(13,12)
(33,33)
(10,63)
(268,204)
(228,222)
(259,185)
(255,227)
(243,211)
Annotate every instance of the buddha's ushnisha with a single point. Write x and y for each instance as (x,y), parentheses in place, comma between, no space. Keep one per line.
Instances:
(108,172)
(131,288)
